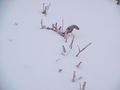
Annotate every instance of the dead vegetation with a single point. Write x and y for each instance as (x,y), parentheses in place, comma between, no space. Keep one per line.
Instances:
(78,65)
(74,76)
(71,44)
(58,29)
(79,51)
(83,86)
(45,9)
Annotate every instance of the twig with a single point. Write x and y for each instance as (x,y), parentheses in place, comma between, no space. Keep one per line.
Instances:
(74,76)
(84,85)
(78,51)
(45,9)
(78,65)
(57,29)
(64,50)
(71,44)
(82,49)
(69,30)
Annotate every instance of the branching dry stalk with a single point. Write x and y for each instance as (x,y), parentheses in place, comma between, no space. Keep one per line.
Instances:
(82,49)
(71,44)
(74,76)
(45,9)
(58,30)
(69,30)
(78,65)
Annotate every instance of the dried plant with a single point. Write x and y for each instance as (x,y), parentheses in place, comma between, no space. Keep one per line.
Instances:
(71,44)
(74,76)
(82,49)
(64,50)
(58,30)
(78,65)
(69,30)
(82,87)
(45,9)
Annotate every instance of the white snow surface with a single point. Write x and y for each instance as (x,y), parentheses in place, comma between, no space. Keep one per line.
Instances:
(28,54)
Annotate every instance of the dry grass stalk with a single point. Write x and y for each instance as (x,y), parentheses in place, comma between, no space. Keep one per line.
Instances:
(69,30)
(64,50)
(42,26)
(45,9)
(82,87)
(74,76)
(58,30)
(82,49)
(71,44)
(78,65)
(78,51)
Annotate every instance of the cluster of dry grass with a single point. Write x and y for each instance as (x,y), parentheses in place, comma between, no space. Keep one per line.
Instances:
(65,33)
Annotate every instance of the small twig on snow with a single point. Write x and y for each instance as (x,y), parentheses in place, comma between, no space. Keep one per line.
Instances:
(71,44)
(82,87)
(74,76)
(64,50)
(45,9)
(82,49)
(78,65)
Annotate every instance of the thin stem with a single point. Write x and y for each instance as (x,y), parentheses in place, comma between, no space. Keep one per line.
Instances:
(82,49)
(74,76)
(71,44)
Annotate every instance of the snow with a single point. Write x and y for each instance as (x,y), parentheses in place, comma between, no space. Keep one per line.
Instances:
(30,58)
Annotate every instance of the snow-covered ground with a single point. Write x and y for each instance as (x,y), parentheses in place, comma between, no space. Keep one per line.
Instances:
(28,55)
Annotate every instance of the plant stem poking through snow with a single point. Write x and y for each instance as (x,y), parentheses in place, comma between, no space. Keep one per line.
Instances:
(71,44)
(82,49)
(78,65)
(74,76)
(69,30)
(82,87)
(45,9)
